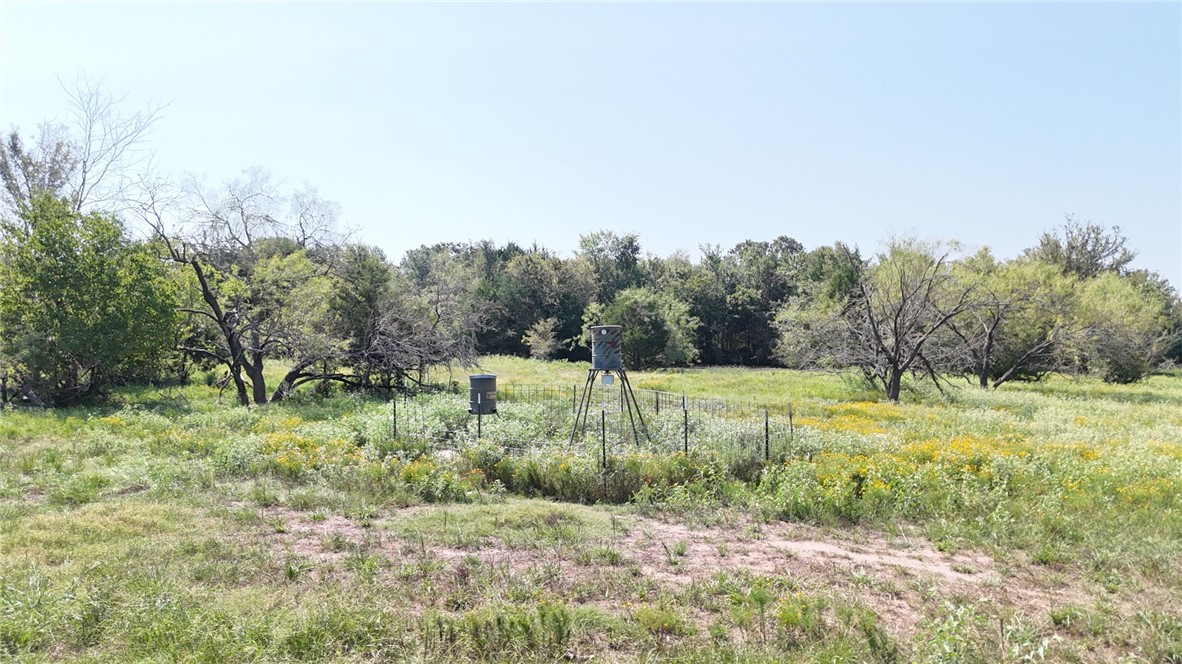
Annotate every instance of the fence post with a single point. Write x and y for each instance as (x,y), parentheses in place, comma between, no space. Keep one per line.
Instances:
(603,436)
(791,428)
(657,402)
(479,416)
(685,425)
(767,446)
(573,408)
(394,415)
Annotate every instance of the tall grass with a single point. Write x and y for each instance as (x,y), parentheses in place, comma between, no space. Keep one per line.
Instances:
(137,531)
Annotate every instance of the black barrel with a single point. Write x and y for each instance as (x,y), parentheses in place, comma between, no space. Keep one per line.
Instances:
(482,394)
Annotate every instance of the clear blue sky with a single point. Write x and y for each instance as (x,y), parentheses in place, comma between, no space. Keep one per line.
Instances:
(685,123)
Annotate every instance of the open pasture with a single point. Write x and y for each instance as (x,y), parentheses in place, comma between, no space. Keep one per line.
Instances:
(1037,522)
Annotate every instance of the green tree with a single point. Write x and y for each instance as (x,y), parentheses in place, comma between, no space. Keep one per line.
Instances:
(542,339)
(529,289)
(397,323)
(705,288)
(1085,249)
(889,324)
(80,304)
(363,292)
(262,273)
(1167,346)
(1123,329)
(613,259)
(1022,317)
(658,328)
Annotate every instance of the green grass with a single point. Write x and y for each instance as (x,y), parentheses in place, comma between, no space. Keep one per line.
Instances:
(169,527)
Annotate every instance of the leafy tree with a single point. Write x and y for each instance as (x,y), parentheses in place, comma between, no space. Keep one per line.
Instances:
(832,273)
(770,269)
(80,304)
(542,338)
(44,168)
(1023,314)
(658,328)
(362,295)
(614,260)
(441,322)
(393,333)
(1084,249)
(291,317)
(888,326)
(1123,328)
(262,274)
(1167,345)
(482,269)
(762,276)
(705,289)
(528,290)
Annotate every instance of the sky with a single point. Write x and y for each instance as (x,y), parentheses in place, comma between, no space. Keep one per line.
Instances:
(686,123)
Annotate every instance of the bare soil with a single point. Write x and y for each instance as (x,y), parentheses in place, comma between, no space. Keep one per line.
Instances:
(896,576)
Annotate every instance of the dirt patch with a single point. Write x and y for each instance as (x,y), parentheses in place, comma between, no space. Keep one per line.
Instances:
(326,539)
(681,554)
(897,577)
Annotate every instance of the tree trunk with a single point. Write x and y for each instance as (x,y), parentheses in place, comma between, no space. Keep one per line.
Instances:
(233,341)
(258,386)
(239,384)
(284,389)
(987,356)
(254,369)
(894,383)
(287,385)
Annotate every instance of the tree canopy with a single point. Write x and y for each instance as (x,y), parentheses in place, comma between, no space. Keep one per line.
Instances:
(248,274)
(81,305)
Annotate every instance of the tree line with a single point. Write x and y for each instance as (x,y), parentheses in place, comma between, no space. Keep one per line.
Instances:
(232,276)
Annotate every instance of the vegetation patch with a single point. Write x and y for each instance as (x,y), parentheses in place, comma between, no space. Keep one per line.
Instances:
(961,529)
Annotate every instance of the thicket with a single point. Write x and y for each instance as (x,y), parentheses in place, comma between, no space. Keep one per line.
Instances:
(244,274)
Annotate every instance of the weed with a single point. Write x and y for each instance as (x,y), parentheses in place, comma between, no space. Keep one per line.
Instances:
(661,620)
(335,542)
(294,567)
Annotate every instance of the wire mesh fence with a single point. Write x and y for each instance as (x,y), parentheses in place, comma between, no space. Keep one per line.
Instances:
(531,417)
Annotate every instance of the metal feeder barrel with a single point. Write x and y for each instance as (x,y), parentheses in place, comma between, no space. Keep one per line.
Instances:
(607,348)
(482,394)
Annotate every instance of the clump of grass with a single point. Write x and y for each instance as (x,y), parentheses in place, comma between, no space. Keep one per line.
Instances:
(662,620)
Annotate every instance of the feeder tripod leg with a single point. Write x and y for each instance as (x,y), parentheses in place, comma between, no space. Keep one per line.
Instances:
(588,396)
(643,426)
(629,402)
(584,407)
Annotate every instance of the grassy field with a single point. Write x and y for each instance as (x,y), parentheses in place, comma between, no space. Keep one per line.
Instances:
(1038,522)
